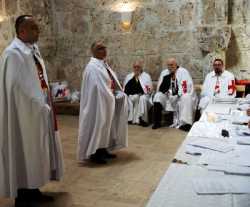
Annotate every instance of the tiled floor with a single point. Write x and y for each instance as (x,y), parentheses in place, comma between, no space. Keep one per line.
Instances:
(127,181)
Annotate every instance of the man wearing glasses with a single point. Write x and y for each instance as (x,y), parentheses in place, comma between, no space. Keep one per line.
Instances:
(103,110)
(218,83)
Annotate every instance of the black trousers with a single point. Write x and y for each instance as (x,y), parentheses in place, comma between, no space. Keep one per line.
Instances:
(157,112)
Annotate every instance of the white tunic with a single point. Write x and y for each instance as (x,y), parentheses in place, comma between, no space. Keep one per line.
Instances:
(219,86)
(30,149)
(184,104)
(103,115)
(139,105)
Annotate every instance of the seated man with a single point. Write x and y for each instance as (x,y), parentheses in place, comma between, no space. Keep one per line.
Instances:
(138,87)
(218,83)
(175,93)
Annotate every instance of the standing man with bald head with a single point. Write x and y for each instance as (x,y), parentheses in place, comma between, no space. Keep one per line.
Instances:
(138,87)
(103,110)
(30,146)
(176,94)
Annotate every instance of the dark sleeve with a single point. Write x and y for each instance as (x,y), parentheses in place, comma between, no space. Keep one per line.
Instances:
(165,85)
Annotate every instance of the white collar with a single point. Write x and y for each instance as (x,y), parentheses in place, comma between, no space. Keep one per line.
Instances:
(99,61)
(222,74)
(24,47)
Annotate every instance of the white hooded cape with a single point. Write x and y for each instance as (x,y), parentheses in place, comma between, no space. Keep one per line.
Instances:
(186,104)
(103,116)
(139,105)
(30,149)
(226,87)
(145,81)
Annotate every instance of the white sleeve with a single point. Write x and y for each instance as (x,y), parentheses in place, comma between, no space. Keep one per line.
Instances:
(205,87)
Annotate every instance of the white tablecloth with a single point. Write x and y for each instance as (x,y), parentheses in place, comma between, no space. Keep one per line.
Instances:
(175,188)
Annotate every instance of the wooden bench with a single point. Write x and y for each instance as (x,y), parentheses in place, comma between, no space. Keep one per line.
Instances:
(67,108)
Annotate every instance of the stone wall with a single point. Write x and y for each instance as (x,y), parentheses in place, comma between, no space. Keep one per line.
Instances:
(193,31)
(238,52)
(42,10)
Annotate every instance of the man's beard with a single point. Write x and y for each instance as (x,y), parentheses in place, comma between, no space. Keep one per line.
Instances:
(217,71)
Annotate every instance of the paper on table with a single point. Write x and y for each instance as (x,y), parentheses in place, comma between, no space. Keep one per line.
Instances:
(189,149)
(230,169)
(238,157)
(243,140)
(219,108)
(240,119)
(206,130)
(243,131)
(228,100)
(221,185)
(216,158)
(212,145)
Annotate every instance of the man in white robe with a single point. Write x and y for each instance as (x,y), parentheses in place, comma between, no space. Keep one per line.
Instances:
(175,93)
(218,83)
(103,110)
(30,149)
(138,87)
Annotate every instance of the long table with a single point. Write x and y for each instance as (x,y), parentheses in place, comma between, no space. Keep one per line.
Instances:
(175,188)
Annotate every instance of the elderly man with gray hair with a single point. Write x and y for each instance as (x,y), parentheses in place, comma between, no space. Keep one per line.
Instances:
(138,87)
(175,93)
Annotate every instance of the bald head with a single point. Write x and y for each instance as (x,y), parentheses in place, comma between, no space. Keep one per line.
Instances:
(172,65)
(27,29)
(138,67)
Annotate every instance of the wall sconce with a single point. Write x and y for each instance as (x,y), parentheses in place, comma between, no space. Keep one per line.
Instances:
(126,18)
(125,8)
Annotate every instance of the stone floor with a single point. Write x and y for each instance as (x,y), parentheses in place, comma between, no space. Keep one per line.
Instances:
(127,181)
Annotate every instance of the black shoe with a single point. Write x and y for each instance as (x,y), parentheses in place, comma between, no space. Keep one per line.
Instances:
(130,122)
(32,196)
(22,203)
(143,123)
(97,159)
(105,154)
(156,126)
(185,127)
(38,196)
(108,155)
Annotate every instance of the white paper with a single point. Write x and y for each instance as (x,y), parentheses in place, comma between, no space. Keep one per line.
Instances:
(243,140)
(221,185)
(214,145)
(240,119)
(218,108)
(230,169)
(238,157)
(223,100)
(189,149)
(243,131)
(207,130)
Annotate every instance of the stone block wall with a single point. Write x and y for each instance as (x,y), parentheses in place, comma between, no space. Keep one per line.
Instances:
(193,31)
(42,10)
